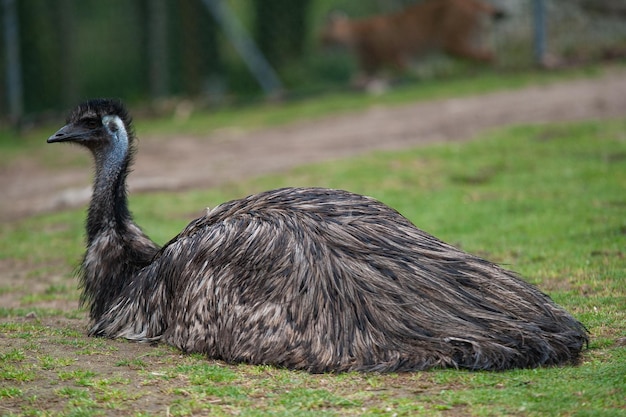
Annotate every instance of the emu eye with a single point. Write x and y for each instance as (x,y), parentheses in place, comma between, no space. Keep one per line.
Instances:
(112,127)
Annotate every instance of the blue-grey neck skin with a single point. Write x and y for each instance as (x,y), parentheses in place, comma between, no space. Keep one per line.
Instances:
(118,149)
(108,207)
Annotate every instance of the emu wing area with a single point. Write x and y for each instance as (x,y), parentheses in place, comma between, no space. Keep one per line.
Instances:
(326,280)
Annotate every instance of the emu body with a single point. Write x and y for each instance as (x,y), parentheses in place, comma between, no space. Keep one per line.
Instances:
(304,278)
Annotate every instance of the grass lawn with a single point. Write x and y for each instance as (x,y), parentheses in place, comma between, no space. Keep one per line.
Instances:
(547,201)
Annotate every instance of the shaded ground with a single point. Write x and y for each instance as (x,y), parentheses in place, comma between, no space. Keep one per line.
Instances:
(187,162)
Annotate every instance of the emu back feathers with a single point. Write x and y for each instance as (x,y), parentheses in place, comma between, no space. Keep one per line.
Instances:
(327,280)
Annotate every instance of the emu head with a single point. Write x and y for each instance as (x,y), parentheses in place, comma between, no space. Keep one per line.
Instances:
(102,125)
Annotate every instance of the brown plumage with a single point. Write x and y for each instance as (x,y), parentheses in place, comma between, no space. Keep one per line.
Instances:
(305,278)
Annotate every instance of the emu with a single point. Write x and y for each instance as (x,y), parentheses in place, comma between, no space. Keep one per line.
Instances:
(316,279)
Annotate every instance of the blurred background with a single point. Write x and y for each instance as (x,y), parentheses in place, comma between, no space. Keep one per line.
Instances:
(214,53)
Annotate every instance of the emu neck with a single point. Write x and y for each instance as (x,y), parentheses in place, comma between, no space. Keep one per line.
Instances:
(109,204)
(116,248)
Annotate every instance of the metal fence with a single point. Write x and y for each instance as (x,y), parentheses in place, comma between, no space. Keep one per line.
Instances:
(217,51)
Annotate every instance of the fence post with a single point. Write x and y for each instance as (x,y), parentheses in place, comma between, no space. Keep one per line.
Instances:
(157,49)
(252,56)
(70,77)
(539,24)
(14,68)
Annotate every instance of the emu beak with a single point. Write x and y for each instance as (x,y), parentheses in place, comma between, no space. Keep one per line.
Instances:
(69,133)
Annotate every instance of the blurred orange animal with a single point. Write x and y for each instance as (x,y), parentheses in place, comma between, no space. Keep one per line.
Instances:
(393,39)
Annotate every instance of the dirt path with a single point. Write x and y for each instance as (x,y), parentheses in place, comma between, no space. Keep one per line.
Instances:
(186,162)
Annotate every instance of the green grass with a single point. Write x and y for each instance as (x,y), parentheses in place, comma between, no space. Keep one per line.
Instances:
(548,201)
